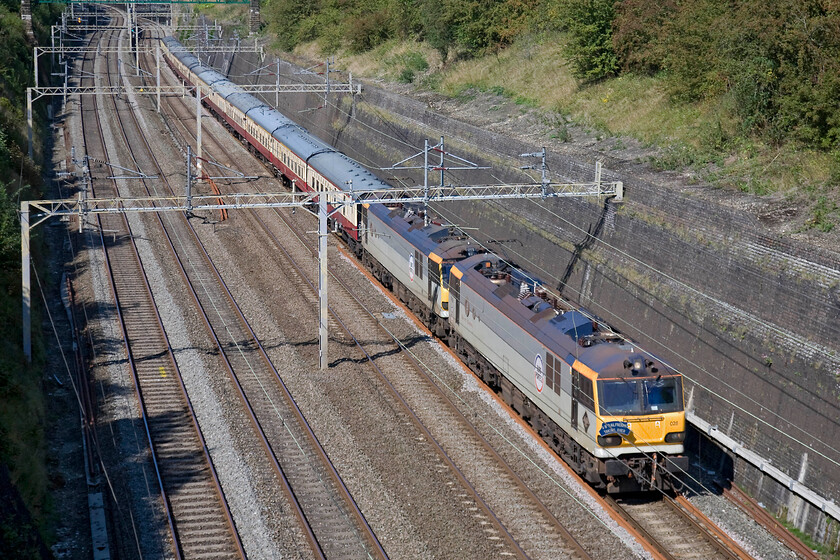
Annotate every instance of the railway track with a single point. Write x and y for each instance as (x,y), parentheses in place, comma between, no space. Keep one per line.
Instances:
(162,435)
(705,540)
(718,545)
(550,530)
(199,521)
(385,353)
(328,514)
(749,506)
(484,457)
(676,529)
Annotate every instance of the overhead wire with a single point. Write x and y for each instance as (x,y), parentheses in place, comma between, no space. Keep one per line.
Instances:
(660,273)
(527,275)
(402,141)
(791,423)
(642,475)
(725,399)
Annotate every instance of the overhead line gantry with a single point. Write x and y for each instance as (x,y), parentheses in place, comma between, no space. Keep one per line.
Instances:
(81,207)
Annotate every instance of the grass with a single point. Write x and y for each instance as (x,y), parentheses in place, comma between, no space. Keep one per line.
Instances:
(823,551)
(394,61)
(703,136)
(634,106)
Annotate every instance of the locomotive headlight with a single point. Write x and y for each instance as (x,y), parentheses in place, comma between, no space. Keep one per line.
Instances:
(609,441)
(675,437)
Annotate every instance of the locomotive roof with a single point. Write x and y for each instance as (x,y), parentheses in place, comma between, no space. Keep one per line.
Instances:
(409,222)
(618,361)
(457,248)
(562,328)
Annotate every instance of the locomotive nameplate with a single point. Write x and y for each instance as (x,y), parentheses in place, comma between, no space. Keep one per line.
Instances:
(616,427)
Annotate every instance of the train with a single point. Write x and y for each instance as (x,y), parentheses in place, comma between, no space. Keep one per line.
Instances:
(612,411)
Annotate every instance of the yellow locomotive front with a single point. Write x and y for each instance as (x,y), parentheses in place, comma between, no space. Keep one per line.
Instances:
(639,424)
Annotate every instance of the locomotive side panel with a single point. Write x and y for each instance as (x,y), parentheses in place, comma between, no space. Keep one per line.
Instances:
(404,262)
(518,356)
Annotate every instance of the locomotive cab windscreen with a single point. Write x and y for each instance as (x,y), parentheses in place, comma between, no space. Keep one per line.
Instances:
(640,396)
(652,405)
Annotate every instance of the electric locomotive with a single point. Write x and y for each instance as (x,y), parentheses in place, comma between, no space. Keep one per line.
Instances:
(613,412)
(411,255)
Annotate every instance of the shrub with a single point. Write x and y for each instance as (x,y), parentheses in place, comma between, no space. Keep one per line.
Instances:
(368,30)
(638,34)
(590,48)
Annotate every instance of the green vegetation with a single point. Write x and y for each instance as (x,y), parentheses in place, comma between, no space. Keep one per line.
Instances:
(235,17)
(745,94)
(22,407)
(825,552)
(411,63)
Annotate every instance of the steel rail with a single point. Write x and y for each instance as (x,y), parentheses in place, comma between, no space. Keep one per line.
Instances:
(574,544)
(129,353)
(752,508)
(370,535)
(258,428)
(317,546)
(416,420)
(725,544)
(216,484)
(641,534)
(264,440)
(719,544)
